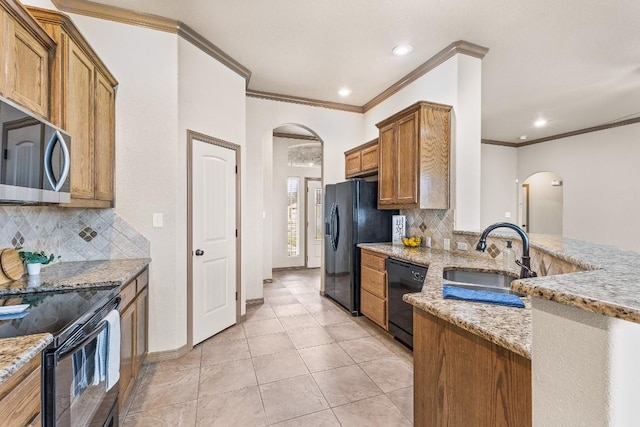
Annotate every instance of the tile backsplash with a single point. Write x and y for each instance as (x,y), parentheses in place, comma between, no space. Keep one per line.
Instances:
(436,223)
(75,234)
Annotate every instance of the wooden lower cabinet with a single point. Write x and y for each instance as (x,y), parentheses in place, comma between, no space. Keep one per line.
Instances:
(21,396)
(373,288)
(133,332)
(461,379)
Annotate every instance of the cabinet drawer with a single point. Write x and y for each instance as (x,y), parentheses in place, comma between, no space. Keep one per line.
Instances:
(142,280)
(370,158)
(374,282)
(373,260)
(128,293)
(374,308)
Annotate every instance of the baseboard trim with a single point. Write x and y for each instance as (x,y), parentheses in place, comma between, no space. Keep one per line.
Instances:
(302,267)
(255,301)
(160,356)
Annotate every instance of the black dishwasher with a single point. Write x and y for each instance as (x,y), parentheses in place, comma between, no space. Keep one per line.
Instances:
(403,278)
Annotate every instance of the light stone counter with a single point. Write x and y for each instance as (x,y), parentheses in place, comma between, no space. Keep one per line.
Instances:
(508,327)
(78,274)
(610,285)
(16,352)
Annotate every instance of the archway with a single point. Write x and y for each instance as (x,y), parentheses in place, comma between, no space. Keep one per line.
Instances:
(541,203)
(294,239)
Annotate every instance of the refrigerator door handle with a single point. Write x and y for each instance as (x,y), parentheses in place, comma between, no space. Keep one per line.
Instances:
(333,206)
(337,229)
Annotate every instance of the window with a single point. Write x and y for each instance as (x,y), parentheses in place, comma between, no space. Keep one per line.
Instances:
(293,229)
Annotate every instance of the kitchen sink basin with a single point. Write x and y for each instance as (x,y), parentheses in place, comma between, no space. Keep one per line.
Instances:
(479,281)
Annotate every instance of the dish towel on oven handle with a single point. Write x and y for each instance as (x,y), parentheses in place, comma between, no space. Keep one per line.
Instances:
(108,352)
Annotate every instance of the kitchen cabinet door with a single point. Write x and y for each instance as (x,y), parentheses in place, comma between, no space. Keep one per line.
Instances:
(80,104)
(362,160)
(406,155)
(104,138)
(386,165)
(142,326)
(26,67)
(128,330)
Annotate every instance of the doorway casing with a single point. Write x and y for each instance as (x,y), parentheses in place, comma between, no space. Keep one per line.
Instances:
(191,137)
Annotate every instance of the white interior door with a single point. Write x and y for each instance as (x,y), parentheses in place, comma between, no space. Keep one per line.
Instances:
(314,223)
(214,239)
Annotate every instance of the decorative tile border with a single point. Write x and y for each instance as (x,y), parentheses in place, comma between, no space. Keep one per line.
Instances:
(75,234)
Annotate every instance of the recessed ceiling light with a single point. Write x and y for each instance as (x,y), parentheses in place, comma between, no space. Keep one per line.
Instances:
(539,123)
(523,137)
(402,49)
(345,91)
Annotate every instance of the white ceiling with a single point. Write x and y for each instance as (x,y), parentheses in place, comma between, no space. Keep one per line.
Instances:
(574,62)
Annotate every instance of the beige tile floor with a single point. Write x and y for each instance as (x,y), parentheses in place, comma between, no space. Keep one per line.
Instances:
(298,360)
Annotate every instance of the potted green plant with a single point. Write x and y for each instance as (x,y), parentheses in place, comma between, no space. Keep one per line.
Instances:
(35,260)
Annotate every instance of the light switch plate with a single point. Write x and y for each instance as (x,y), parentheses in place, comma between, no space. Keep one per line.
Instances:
(157,220)
(447,244)
(462,246)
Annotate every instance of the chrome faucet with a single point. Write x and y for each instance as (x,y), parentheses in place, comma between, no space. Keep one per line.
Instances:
(525,265)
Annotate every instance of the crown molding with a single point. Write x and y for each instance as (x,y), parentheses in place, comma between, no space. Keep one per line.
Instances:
(459,47)
(296,136)
(160,23)
(154,22)
(564,134)
(305,101)
(501,143)
(202,43)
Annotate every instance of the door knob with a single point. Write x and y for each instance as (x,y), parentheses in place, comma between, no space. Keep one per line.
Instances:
(199,252)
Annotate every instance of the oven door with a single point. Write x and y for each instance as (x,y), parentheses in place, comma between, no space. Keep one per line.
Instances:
(77,392)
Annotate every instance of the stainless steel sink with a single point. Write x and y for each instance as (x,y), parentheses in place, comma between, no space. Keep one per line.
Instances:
(480,281)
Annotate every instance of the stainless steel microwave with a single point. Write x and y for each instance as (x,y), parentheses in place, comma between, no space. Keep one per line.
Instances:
(35,160)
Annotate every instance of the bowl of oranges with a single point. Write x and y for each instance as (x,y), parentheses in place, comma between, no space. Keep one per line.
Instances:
(412,242)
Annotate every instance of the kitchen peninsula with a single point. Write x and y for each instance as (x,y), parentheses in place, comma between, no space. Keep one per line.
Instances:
(570,371)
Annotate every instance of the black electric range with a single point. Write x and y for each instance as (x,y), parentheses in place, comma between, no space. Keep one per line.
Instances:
(58,312)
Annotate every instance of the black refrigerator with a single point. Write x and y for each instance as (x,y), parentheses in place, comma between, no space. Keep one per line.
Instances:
(351,216)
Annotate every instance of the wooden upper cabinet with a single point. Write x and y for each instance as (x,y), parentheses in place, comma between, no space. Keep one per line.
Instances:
(83,104)
(361,160)
(414,157)
(26,51)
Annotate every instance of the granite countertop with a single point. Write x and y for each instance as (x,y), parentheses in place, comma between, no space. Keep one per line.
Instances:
(610,287)
(16,352)
(508,327)
(78,274)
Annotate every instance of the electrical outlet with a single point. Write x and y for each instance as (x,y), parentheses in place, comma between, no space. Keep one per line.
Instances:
(427,242)
(447,245)
(507,214)
(157,220)
(462,246)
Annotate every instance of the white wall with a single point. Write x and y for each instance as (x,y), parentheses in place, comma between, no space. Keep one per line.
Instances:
(456,82)
(499,190)
(585,367)
(545,204)
(281,171)
(212,102)
(154,107)
(338,130)
(600,175)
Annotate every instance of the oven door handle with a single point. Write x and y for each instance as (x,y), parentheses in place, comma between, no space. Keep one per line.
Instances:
(79,341)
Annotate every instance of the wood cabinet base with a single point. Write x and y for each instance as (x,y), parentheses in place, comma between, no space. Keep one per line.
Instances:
(461,379)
